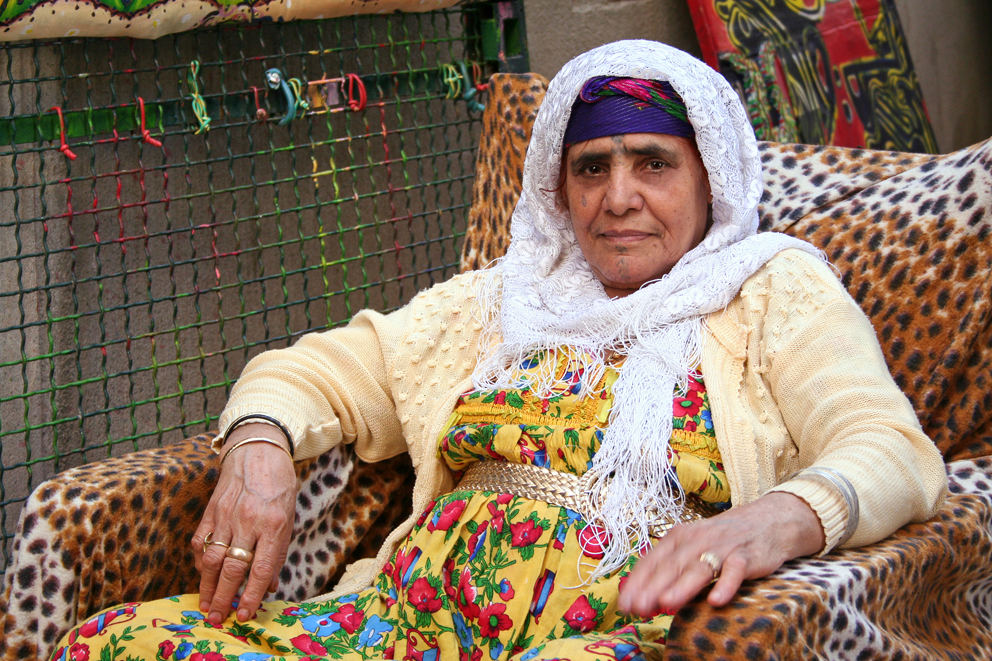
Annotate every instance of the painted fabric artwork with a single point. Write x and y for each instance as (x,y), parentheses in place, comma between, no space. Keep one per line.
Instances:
(822,72)
(151,19)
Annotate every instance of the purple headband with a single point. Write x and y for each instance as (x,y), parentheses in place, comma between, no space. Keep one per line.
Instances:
(613,106)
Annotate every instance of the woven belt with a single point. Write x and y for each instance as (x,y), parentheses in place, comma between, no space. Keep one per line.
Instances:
(562,489)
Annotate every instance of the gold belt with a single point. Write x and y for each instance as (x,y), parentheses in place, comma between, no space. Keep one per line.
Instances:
(564,490)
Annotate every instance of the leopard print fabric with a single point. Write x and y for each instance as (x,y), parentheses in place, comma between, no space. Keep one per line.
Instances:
(499,166)
(909,235)
(924,593)
(907,232)
(118,531)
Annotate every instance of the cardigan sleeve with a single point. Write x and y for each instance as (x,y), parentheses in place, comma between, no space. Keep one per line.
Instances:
(330,387)
(822,361)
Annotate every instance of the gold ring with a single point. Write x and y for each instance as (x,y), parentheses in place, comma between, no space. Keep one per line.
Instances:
(710,560)
(208,540)
(240,554)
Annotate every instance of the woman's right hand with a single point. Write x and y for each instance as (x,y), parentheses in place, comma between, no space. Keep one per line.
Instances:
(252,508)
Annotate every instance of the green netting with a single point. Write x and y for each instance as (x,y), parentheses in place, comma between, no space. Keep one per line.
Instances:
(137,280)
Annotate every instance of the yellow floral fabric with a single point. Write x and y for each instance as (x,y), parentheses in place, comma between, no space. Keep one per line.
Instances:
(482,576)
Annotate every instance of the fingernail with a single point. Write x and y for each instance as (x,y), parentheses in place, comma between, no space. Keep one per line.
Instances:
(243,615)
(215,618)
(204,606)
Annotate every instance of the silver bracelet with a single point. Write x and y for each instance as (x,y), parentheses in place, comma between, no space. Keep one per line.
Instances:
(837,480)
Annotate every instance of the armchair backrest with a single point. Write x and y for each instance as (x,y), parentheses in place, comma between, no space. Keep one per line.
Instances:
(908,234)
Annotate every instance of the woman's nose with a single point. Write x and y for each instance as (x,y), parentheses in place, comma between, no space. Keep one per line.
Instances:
(623,193)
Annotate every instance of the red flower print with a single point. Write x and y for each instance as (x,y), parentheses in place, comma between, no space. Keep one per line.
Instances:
(476,654)
(687,406)
(403,568)
(209,656)
(593,541)
(467,594)
(166,648)
(388,654)
(449,586)
(581,616)
(79,652)
(349,618)
(423,596)
(525,533)
(500,399)
(504,498)
(449,516)
(690,425)
(493,619)
(696,385)
(499,516)
(426,513)
(306,645)
(506,590)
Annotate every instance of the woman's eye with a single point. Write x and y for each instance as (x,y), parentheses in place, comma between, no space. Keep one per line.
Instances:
(592,169)
(656,165)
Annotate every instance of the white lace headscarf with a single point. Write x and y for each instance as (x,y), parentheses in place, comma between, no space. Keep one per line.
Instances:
(549,296)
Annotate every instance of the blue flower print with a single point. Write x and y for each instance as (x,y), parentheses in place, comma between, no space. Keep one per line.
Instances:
(295,612)
(184,650)
(254,656)
(495,650)
(707,418)
(464,633)
(179,628)
(322,625)
(348,598)
(374,628)
(196,615)
(531,653)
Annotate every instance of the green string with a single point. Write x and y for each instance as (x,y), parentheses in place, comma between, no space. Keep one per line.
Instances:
(453,79)
(199,106)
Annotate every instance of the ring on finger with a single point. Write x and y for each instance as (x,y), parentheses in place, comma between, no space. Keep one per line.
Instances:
(208,541)
(712,561)
(243,555)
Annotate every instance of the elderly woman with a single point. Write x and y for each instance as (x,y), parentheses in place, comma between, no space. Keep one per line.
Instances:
(581,417)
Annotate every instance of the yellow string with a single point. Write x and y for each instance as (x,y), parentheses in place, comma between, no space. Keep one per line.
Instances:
(199,106)
(453,79)
(297,88)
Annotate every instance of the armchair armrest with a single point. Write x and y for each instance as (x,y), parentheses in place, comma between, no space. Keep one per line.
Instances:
(118,531)
(921,594)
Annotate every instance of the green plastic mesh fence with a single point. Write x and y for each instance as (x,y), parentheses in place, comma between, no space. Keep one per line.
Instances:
(174,215)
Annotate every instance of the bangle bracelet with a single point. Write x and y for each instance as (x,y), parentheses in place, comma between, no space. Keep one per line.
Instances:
(271,421)
(255,439)
(836,479)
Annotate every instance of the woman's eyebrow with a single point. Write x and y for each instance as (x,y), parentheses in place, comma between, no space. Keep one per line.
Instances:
(587,157)
(656,151)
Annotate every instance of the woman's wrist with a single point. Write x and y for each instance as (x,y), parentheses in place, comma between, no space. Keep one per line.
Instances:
(256,432)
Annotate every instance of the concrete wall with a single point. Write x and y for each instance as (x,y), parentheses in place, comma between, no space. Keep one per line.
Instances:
(948,41)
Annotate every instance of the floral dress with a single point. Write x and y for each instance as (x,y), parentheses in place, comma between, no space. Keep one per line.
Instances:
(482,577)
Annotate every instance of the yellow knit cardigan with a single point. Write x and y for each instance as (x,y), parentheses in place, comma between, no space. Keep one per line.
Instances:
(793,370)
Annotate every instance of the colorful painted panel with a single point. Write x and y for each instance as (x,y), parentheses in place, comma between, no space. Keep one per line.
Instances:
(844,65)
(150,19)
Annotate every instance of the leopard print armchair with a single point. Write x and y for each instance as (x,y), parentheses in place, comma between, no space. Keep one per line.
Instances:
(909,236)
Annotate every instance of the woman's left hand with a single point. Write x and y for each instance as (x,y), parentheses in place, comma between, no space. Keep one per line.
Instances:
(749,541)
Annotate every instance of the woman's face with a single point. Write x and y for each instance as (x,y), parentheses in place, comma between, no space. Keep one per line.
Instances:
(638,202)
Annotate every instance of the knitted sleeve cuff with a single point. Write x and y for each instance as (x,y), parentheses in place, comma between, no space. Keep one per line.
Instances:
(831,496)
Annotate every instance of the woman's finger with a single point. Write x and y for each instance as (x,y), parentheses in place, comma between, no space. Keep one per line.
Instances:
(211,563)
(266,564)
(232,576)
(732,574)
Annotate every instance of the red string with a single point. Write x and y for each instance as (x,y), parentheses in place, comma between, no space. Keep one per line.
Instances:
(64,148)
(358,104)
(145,133)
(477,75)
(261,114)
